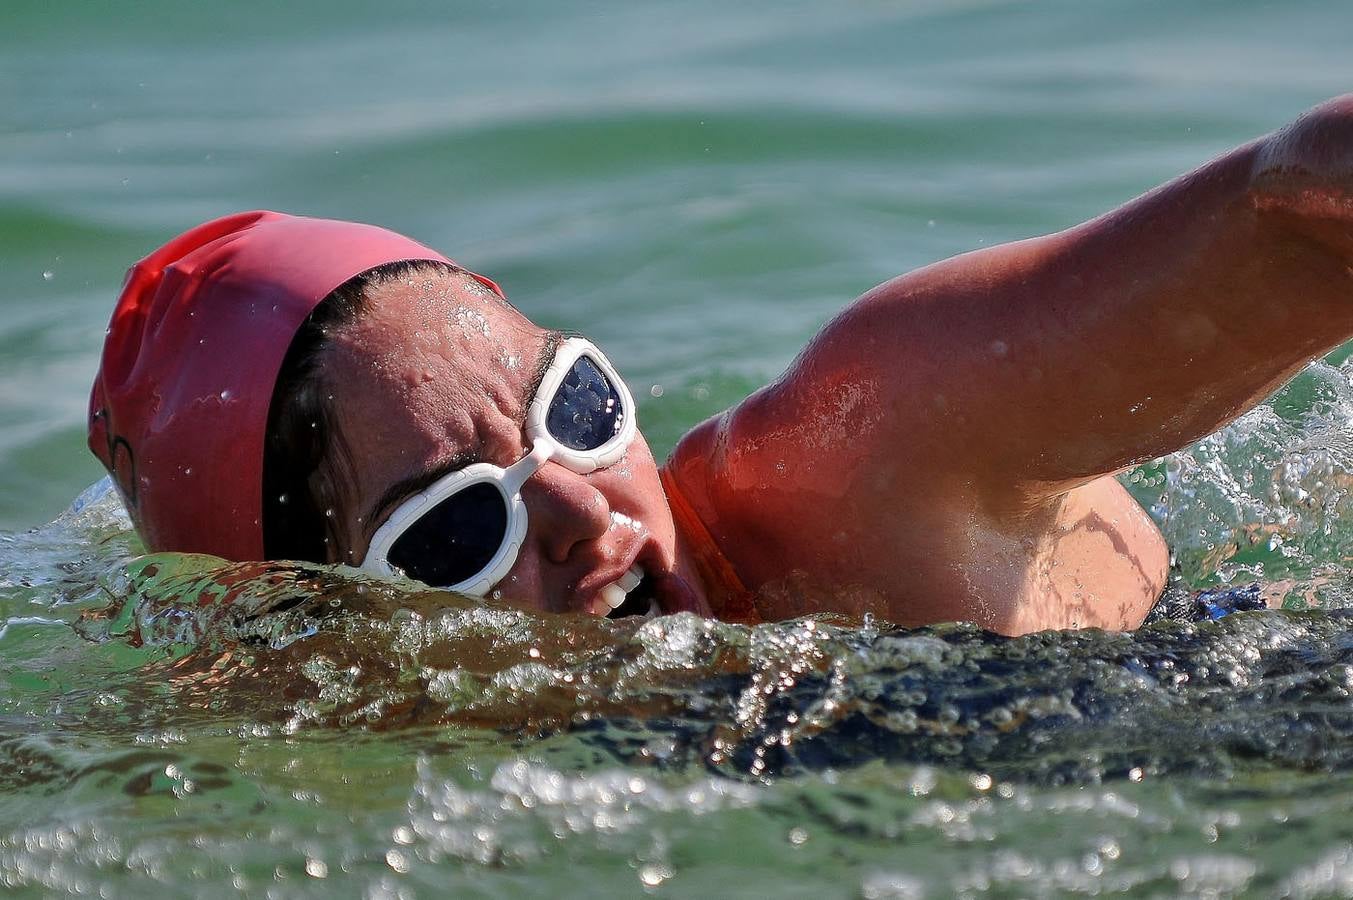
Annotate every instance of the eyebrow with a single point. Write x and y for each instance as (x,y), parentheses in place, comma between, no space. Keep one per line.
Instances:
(414,484)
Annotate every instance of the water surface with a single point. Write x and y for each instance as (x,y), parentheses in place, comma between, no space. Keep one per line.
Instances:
(697,187)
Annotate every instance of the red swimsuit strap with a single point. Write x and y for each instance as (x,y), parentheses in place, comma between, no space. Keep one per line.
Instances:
(729,597)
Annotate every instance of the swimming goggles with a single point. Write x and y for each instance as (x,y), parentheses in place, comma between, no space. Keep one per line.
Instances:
(464,531)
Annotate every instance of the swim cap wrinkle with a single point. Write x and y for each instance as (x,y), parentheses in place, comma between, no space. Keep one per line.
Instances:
(179,408)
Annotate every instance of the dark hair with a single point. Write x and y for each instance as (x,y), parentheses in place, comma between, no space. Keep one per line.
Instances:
(303,449)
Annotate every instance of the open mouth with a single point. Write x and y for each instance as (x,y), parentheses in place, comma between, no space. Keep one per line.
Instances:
(640,600)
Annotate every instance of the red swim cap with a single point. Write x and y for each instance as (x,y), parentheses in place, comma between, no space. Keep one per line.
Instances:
(180,403)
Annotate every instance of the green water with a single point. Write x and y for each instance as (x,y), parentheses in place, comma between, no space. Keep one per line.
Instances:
(696,186)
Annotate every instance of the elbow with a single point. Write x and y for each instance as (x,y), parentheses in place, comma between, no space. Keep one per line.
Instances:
(1309,160)
(1302,178)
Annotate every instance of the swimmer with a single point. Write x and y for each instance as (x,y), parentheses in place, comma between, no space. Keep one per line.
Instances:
(276,387)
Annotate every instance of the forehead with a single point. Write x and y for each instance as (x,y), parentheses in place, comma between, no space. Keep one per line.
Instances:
(432,336)
(438,307)
(430,368)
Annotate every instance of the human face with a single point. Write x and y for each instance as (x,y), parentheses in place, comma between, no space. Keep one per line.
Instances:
(437,374)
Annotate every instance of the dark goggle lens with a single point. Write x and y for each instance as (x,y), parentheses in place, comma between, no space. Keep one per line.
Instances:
(586,411)
(454,540)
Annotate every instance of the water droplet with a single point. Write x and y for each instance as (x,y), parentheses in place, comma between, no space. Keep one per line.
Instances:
(283,499)
(226,395)
(48,275)
(656,390)
(798,836)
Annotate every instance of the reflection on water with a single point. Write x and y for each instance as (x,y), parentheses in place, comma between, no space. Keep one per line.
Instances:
(309,723)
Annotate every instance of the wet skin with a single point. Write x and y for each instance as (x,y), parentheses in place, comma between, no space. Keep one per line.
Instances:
(436,375)
(942,449)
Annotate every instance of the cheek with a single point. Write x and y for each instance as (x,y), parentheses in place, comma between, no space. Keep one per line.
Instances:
(637,464)
(631,476)
(634,490)
(523,585)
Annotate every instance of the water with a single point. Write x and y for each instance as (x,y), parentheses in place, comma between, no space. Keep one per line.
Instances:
(697,187)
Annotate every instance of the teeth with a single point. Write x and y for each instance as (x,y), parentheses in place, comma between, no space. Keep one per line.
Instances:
(613,595)
(630,580)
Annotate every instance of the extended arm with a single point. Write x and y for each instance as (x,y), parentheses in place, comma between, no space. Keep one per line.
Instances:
(937,451)
(1051,361)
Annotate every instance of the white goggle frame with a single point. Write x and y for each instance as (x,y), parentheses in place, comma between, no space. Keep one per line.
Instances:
(509,481)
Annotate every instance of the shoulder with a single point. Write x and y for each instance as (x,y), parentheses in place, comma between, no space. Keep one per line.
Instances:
(788,464)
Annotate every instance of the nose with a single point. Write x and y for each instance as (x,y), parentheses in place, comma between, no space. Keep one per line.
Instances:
(564,510)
